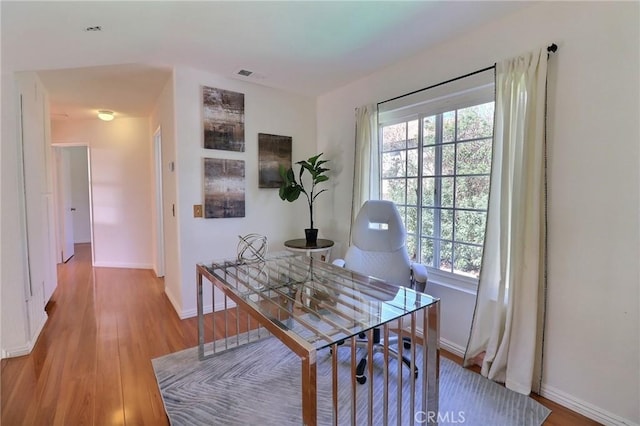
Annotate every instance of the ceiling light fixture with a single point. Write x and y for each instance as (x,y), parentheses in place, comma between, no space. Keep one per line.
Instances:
(105,115)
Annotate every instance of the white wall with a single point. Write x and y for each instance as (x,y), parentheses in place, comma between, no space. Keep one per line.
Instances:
(266,111)
(28,252)
(80,194)
(121,187)
(13,279)
(163,117)
(592,355)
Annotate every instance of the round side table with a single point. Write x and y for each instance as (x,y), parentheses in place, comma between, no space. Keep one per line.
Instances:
(300,245)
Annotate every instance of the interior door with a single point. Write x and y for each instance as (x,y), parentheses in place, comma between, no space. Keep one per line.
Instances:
(67,207)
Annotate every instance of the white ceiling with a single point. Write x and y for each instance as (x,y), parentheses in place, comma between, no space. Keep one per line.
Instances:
(307,47)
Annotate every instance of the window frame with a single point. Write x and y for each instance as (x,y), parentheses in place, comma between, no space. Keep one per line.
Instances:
(447,278)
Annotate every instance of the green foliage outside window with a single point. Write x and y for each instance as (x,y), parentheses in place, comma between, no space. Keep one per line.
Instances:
(456,162)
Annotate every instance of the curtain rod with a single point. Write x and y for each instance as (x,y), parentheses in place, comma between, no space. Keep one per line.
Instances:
(550,49)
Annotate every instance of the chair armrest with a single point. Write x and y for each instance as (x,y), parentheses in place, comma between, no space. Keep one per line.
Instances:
(419,273)
(339,262)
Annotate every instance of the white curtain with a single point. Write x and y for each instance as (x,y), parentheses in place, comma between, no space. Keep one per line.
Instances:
(507,328)
(366,164)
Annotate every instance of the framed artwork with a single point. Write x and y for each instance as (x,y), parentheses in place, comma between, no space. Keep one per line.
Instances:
(223,119)
(273,151)
(223,188)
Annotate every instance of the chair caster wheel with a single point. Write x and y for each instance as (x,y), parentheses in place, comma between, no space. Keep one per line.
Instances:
(406,344)
(360,377)
(415,374)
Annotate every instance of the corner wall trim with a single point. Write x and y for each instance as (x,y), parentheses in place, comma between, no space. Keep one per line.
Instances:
(452,347)
(122,265)
(28,347)
(190,313)
(586,409)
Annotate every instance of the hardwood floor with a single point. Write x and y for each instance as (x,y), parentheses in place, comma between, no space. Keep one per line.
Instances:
(91,364)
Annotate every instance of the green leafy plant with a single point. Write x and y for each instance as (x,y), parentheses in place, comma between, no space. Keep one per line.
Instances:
(291,188)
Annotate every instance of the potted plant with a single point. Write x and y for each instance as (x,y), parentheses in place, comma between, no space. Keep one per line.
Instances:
(291,188)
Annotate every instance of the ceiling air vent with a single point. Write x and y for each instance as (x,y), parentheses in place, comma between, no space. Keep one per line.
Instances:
(247,75)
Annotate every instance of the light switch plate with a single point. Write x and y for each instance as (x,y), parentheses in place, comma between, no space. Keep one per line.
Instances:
(197,210)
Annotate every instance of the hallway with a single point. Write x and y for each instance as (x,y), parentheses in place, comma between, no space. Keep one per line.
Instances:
(91,364)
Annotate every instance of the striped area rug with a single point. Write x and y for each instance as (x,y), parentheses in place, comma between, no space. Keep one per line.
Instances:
(259,384)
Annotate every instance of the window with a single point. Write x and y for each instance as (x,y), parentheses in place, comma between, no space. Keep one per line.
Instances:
(435,167)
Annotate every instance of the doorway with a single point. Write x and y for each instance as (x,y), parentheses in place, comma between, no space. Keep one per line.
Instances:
(74,218)
(159,216)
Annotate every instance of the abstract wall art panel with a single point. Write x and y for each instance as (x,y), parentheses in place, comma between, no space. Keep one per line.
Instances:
(273,151)
(223,188)
(223,113)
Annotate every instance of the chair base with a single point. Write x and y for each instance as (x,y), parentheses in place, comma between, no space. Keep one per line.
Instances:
(379,347)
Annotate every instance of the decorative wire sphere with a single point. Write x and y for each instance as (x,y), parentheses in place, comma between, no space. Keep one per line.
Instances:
(252,248)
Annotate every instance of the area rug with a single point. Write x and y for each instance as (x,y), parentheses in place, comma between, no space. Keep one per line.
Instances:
(259,384)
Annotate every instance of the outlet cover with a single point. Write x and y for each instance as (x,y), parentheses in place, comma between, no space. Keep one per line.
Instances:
(197,210)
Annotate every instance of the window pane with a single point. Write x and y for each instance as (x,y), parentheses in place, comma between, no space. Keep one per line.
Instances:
(448,158)
(412,247)
(412,192)
(412,164)
(428,191)
(411,222)
(403,214)
(427,252)
(449,126)
(427,222)
(393,137)
(474,157)
(393,190)
(446,224)
(455,152)
(412,136)
(429,130)
(475,122)
(445,257)
(472,192)
(467,260)
(394,164)
(470,226)
(429,161)
(447,192)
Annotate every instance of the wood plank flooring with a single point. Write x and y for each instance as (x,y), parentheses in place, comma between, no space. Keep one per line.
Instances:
(91,364)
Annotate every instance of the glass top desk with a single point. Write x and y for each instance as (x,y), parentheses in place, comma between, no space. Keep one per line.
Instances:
(311,305)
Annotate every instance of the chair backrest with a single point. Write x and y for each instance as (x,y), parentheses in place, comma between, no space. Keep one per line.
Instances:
(378,244)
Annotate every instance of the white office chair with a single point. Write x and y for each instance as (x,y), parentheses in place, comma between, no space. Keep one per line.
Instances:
(378,250)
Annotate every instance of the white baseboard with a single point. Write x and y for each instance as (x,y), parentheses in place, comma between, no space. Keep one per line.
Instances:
(586,409)
(569,401)
(190,313)
(123,265)
(172,300)
(28,347)
(452,347)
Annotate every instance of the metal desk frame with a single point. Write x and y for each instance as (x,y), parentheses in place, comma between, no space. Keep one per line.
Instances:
(363,293)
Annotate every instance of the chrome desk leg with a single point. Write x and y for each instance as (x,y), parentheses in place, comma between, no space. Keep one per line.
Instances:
(334,382)
(200,316)
(431,350)
(309,398)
